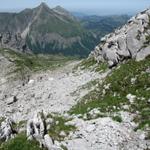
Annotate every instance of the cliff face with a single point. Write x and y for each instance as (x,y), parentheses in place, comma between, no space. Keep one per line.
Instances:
(131,41)
(13,41)
(102,25)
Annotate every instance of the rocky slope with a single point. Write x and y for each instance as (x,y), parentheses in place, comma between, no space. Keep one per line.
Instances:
(82,105)
(76,107)
(131,41)
(50,91)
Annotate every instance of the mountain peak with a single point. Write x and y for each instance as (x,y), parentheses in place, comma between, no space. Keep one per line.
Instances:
(43,5)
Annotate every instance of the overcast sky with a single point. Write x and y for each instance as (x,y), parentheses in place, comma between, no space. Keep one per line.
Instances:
(99,7)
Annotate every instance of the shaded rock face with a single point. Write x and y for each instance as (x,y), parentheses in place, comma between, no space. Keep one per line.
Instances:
(131,41)
(37,130)
(105,134)
(13,41)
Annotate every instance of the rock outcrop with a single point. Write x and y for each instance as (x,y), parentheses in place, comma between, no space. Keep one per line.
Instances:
(37,130)
(36,127)
(131,41)
(6,130)
(13,41)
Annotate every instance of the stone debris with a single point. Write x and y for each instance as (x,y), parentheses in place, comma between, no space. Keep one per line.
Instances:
(54,96)
(105,134)
(52,93)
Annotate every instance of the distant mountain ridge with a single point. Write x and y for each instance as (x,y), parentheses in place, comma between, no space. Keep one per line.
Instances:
(45,30)
(102,25)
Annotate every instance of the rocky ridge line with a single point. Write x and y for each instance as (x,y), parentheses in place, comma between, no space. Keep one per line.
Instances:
(131,41)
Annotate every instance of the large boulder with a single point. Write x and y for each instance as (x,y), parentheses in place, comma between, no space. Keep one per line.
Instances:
(37,130)
(143,53)
(131,41)
(6,130)
(48,142)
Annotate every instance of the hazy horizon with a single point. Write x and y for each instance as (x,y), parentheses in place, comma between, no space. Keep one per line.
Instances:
(94,7)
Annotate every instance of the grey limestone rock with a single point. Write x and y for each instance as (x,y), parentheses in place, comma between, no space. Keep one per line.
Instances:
(36,129)
(127,42)
(6,130)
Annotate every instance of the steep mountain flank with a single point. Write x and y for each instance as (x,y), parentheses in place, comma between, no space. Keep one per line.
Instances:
(62,11)
(131,41)
(11,27)
(45,30)
(64,104)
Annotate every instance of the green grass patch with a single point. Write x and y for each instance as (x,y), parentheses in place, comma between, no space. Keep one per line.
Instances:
(101,67)
(107,104)
(91,63)
(59,126)
(64,147)
(19,125)
(113,98)
(87,63)
(90,84)
(117,118)
(20,142)
(35,62)
(26,64)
